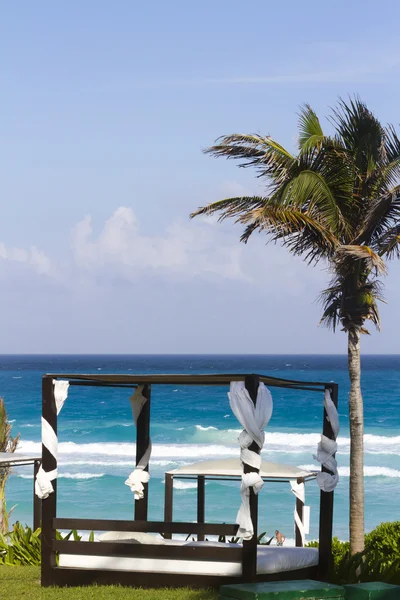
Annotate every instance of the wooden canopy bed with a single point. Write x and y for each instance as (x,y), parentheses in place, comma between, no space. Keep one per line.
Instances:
(127,556)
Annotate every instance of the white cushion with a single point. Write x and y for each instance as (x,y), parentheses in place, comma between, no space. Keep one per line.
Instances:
(269,560)
(136,537)
(213,544)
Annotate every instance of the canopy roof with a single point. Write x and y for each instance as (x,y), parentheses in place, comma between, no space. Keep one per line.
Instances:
(14,458)
(232,467)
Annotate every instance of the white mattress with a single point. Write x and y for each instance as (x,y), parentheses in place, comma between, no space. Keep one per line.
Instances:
(270,559)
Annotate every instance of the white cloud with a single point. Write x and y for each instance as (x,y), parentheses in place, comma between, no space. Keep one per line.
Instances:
(191,288)
(201,249)
(184,249)
(34,258)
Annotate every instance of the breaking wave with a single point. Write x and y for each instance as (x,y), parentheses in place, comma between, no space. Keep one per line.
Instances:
(218,446)
(369,471)
(69,476)
(184,485)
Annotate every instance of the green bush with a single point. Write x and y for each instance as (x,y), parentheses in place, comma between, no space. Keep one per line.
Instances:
(382,546)
(22,545)
(340,550)
(380,560)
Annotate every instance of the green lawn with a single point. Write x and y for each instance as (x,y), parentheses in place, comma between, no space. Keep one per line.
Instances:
(24,582)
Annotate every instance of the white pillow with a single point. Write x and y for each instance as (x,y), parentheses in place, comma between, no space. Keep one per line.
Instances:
(136,537)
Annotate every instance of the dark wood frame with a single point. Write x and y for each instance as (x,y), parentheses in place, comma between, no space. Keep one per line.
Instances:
(23,462)
(201,480)
(51,574)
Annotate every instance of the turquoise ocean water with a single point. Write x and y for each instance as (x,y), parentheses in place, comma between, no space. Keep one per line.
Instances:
(97,436)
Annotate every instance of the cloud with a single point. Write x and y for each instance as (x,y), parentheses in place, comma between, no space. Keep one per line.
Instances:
(188,250)
(121,253)
(33,257)
(189,288)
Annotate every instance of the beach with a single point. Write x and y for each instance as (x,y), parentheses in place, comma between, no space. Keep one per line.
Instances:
(97,435)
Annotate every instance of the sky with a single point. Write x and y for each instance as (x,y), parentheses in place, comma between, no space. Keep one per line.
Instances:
(105,109)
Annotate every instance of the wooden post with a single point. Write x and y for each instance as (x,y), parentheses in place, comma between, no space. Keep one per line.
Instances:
(326,502)
(300,512)
(49,505)
(168,502)
(249,567)
(142,442)
(36,499)
(200,504)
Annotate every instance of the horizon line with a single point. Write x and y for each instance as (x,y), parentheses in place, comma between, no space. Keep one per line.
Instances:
(189,354)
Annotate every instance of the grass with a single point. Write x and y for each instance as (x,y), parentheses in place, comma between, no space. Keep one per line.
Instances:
(24,582)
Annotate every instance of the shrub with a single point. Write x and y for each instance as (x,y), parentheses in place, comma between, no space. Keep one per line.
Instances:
(382,545)
(380,560)
(22,545)
(340,550)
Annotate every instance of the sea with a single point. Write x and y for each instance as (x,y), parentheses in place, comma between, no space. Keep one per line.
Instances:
(192,423)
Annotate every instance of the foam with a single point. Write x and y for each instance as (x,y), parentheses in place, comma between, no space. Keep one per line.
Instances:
(192,451)
(184,485)
(369,471)
(68,476)
(81,475)
(275,442)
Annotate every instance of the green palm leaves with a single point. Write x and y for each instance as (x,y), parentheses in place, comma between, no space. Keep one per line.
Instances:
(337,199)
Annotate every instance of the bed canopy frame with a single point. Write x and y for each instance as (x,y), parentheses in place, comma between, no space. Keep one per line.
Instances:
(230,469)
(245,556)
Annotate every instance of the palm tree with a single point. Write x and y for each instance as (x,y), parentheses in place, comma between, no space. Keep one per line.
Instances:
(336,200)
(7,444)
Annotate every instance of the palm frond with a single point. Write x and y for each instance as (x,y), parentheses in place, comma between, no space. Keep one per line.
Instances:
(331,300)
(310,190)
(300,231)
(392,143)
(382,214)
(361,133)
(350,302)
(311,135)
(388,244)
(389,175)
(371,260)
(231,207)
(262,152)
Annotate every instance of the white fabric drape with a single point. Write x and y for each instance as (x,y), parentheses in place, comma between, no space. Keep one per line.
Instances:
(43,483)
(253,420)
(303,523)
(327,448)
(139,476)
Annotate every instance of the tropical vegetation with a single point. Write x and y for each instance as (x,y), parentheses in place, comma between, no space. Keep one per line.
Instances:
(336,200)
(7,444)
(22,545)
(380,560)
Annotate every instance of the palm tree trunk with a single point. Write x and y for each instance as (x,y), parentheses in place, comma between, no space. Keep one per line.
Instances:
(356,444)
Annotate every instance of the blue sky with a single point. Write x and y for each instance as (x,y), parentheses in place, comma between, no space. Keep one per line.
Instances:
(105,109)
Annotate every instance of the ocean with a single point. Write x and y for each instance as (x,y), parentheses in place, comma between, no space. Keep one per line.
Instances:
(97,436)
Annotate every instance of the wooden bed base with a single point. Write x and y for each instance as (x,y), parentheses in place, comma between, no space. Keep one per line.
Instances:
(68,577)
